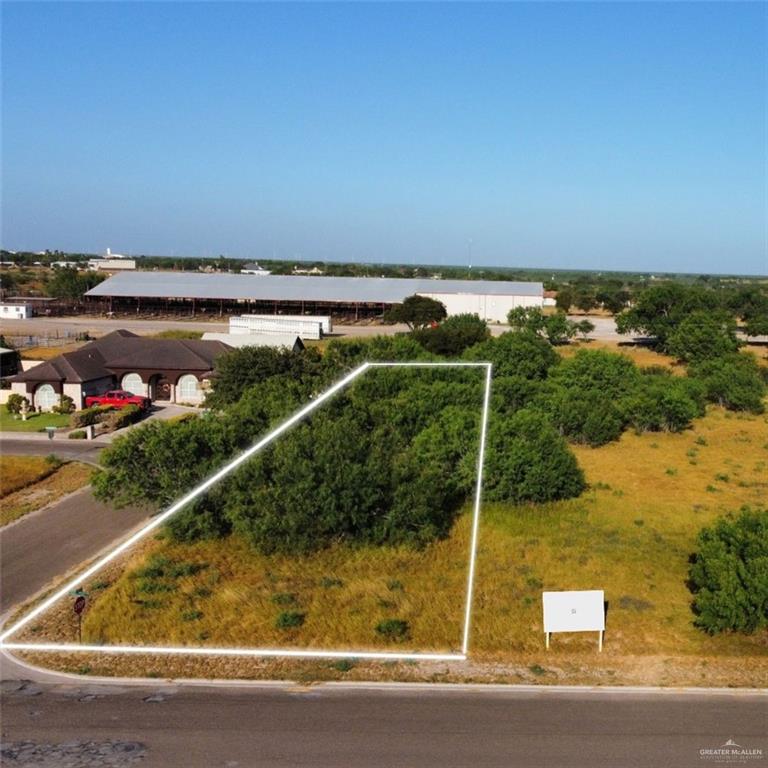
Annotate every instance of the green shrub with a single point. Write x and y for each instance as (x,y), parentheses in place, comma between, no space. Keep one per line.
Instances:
(156,568)
(191,615)
(395,630)
(343,665)
(584,416)
(729,574)
(290,620)
(453,335)
(124,417)
(65,405)
(516,354)
(53,461)
(15,402)
(153,587)
(703,335)
(734,381)
(528,461)
(284,598)
(88,416)
(77,434)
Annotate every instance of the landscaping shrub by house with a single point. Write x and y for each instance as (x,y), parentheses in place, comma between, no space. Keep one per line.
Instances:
(15,402)
(123,417)
(89,416)
(65,405)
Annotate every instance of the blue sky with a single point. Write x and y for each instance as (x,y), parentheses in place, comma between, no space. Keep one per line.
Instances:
(604,136)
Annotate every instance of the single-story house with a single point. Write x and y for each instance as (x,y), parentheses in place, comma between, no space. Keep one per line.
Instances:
(171,370)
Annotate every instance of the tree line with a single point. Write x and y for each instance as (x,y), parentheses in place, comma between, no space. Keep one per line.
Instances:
(391,460)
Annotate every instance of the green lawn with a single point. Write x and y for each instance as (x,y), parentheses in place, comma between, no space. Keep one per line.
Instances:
(36,422)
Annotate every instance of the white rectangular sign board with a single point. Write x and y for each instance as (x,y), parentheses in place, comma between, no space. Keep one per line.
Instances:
(577,611)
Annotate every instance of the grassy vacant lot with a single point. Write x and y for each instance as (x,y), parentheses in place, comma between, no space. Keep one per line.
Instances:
(630,534)
(36,422)
(46,353)
(640,355)
(30,482)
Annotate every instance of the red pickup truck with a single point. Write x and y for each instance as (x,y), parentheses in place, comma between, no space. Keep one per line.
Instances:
(118,398)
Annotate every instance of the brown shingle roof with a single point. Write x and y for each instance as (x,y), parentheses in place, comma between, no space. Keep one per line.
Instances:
(122,351)
(172,354)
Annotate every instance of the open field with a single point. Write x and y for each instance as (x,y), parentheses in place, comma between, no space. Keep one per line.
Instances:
(630,534)
(640,355)
(30,482)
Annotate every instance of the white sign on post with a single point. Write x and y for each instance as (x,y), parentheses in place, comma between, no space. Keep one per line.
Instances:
(577,611)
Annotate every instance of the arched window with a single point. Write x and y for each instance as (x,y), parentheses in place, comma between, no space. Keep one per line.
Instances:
(188,388)
(132,383)
(45,397)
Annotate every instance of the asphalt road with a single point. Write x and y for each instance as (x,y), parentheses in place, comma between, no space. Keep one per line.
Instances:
(351,728)
(46,544)
(81,450)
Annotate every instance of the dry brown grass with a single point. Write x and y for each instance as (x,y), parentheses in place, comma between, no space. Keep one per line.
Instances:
(640,355)
(630,534)
(41,489)
(46,353)
(19,471)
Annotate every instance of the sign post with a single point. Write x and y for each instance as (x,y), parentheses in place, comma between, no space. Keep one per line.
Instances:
(576,611)
(79,607)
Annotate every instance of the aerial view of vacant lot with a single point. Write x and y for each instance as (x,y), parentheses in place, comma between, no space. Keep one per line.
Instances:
(353,532)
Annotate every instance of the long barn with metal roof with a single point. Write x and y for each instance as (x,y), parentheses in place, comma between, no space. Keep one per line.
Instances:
(341,296)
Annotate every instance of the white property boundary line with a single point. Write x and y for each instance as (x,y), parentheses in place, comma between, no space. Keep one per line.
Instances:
(204,486)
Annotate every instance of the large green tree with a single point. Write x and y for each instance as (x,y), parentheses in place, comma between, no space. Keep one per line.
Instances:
(729,574)
(703,335)
(69,283)
(528,461)
(416,312)
(455,334)
(516,354)
(659,310)
(240,369)
(734,381)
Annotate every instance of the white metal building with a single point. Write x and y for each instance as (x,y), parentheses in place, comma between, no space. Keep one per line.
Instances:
(15,311)
(326,322)
(368,296)
(277,340)
(247,324)
(493,307)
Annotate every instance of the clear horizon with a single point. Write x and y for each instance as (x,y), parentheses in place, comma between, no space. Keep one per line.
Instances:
(625,137)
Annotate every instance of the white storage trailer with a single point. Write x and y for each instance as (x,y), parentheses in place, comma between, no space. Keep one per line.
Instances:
(324,320)
(306,329)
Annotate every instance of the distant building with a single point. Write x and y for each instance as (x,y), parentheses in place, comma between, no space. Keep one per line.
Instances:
(277,341)
(351,297)
(254,269)
(114,264)
(313,271)
(15,311)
